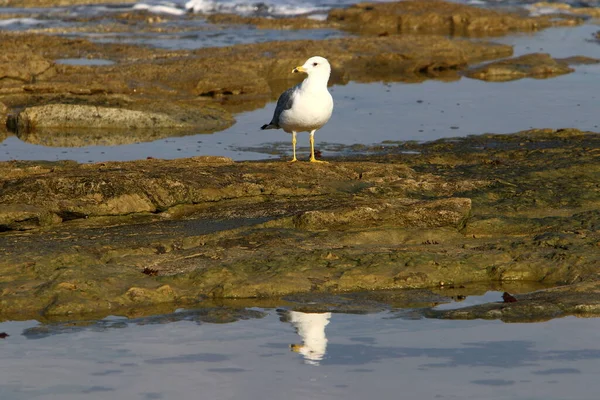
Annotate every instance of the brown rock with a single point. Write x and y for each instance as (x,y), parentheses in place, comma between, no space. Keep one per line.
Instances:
(24,216)
(3,120)
(538,65)
(268,23)
(246,72)
(579,299)
(24,67)
(434,16)
(562,9)
(578,60)
(96,117)
(404,213)
(221,229)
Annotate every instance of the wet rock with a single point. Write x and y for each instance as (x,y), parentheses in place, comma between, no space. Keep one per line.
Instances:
(361,302)
(269,23)
(437,17)
(3,121)
(23,217)
(491,208)
(537,65)
(508,298)
(446,212)
(24,67)
(247,69)
(231,80)
(562,9)
(581,299)
(579,60)
(96,117)
(78,191)
(136,295)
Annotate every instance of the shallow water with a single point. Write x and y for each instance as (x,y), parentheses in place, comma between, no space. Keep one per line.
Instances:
(364,114)
(84,61)
(376,112)
(372,113)
(339,356)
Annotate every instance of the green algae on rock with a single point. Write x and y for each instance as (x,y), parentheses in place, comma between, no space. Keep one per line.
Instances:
(489,208)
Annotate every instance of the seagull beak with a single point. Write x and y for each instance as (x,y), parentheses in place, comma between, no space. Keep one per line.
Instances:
(295,348)
(298,69)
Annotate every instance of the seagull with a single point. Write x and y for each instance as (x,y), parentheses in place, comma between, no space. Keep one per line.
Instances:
(307,106)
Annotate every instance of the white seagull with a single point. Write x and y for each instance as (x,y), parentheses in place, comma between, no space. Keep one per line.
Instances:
(307,106)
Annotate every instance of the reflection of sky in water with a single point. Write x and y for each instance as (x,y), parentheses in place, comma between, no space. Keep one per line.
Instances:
(488,297)
(366,355)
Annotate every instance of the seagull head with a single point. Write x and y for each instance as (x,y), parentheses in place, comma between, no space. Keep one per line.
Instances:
(315,66)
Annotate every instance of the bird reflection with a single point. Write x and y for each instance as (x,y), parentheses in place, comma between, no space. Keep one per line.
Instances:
(311,328)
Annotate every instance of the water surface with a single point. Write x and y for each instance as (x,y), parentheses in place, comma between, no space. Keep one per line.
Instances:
(353,357)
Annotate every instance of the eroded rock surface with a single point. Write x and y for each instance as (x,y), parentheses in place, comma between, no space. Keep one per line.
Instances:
(491,208)
(433,16)
(69,116)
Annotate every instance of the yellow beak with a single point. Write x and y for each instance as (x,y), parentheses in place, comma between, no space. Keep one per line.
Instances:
(296,347)
(298,69)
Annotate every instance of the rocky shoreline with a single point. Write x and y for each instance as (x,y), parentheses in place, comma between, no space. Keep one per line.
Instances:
(92,238)
(95,239)
(152,91)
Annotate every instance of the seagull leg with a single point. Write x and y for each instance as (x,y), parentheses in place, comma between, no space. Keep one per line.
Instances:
(312,148)
(294,147)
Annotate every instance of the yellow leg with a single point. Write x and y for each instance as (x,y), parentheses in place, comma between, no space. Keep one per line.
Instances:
(294,147)
(312,148)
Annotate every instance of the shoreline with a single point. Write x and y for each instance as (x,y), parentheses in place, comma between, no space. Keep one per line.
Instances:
(92,237)
(113,237)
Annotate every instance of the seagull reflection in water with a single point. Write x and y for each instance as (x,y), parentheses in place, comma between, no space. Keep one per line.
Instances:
(311,328)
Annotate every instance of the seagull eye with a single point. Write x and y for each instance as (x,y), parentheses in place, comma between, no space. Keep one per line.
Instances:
(315,64)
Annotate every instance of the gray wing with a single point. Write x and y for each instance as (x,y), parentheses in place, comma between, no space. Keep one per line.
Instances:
(284,102)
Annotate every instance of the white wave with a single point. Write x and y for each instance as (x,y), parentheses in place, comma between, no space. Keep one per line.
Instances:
(249,7)
(21,21)
(318,17)
(161,8)
(536,10)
